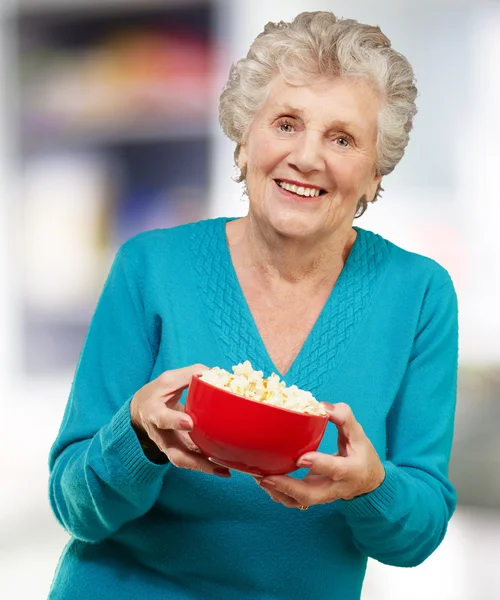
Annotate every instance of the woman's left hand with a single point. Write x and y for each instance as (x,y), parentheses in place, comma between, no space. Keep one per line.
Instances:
(356,469)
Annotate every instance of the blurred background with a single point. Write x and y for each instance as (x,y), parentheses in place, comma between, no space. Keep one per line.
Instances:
(108,127)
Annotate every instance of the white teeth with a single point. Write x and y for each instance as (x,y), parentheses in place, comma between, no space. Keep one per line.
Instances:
(300,190)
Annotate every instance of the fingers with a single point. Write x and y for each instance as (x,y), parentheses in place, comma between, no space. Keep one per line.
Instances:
(185,458)
(147,408)
(167,418)
(295,501)
(157,403)
(325,482)
(278,497)
(185,439)
(284,499)
(170,385)
(333,466)
(254,474)
(291,492)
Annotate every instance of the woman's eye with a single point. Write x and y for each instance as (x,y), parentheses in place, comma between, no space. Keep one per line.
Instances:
(342,142)
(285,127)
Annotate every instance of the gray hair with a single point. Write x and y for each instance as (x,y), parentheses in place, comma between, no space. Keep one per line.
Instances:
(318,45)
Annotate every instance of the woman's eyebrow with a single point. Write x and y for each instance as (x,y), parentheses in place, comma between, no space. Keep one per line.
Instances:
(335,124)
(291,109)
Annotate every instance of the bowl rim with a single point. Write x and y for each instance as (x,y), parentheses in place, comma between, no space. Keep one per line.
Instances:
(287,410)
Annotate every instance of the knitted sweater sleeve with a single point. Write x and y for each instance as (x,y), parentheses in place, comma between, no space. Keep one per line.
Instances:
(99,476)
(403,521)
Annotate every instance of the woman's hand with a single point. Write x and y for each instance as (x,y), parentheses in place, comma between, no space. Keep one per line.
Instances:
(355,469)
(156,414)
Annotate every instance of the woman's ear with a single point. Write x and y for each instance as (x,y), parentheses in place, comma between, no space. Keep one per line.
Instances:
(242,157)
(374,188)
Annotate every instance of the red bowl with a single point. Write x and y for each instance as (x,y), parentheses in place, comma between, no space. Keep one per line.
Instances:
(247,435)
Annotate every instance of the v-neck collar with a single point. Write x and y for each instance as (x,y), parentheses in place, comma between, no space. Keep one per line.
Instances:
(236,328)
(269,363)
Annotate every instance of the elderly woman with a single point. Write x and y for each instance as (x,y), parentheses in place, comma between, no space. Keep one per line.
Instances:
(320,111)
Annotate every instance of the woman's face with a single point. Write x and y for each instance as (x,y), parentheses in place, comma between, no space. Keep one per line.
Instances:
(322,136)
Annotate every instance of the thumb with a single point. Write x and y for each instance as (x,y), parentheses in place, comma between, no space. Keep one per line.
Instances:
(171,384)
(342,417)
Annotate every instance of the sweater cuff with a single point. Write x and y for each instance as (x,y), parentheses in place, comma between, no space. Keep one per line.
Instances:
(129,450)
(379,502)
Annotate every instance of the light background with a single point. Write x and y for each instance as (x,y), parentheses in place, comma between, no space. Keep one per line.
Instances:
(62,193)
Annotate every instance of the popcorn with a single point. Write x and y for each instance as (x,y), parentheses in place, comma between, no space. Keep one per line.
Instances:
(251,384)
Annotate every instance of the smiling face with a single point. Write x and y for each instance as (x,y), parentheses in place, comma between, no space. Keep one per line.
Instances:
(322,137)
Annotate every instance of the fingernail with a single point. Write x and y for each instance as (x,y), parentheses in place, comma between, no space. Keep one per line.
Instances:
(305,463)
(265,483)
(186,424)
(329,406)
(222,472)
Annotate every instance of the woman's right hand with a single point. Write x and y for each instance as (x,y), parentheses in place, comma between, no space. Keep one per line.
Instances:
(155,412)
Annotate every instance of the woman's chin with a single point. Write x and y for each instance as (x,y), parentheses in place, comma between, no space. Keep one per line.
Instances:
(296,226)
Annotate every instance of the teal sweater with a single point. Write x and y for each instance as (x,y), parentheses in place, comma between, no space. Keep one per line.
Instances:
(385,343)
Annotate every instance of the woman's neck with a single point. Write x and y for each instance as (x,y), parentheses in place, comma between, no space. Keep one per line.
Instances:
(279,260)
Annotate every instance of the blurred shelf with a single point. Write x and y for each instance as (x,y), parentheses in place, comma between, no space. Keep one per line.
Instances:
(114,103)
(39,139)
(96,7)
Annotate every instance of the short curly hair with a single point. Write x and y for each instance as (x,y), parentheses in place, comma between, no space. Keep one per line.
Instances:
(318,45)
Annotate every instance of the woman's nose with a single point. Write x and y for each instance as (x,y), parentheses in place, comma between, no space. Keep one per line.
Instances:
(307,154)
